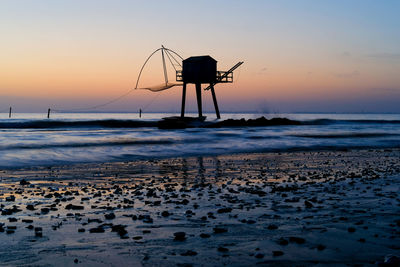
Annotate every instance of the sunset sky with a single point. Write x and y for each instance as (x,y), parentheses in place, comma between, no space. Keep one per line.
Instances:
(300,56)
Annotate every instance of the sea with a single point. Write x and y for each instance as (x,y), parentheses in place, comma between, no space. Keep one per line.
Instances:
(32,139)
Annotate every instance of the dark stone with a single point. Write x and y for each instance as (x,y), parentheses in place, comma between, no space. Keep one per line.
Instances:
(74,207)
(297,240)
(272,227)
(98,229)
(351,229)
(259,256)
(203,235)
(277,253)
(180,236)
(110,216)
(10,231)
(224,210)
(189,253)
(81,230)
(308,204)
(10,198)
(223,249)
(220,230)
(165,213)
(120,229)
(24,182)
(7,212)
(45,210)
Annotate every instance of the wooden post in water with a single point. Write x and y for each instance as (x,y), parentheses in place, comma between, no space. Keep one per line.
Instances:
(215,101)
(183,100)
(9,114)
(48,113)
(140,113)
(198,94)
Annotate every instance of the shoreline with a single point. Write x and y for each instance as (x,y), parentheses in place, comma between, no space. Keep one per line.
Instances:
(281,208)
(344,148)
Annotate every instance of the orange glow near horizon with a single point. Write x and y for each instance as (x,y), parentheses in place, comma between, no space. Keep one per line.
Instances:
(66,54)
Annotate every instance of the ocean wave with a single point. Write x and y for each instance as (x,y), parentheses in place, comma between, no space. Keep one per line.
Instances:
(47,124)
(344,135)
(229,123)
(332,121)
(96,143)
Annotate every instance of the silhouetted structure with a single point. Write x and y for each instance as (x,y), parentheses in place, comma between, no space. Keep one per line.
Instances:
(197,70)
(203,69)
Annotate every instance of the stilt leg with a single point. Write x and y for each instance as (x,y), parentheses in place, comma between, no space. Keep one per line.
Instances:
(215,101)
(183,100)
(198,93)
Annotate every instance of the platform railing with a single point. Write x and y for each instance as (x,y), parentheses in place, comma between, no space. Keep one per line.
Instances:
(221,76)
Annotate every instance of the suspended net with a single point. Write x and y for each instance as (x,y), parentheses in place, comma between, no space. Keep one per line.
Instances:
(161,87)
(176,62)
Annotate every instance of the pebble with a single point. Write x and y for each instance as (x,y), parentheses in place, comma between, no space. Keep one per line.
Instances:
(74,207)
(110,216)
(277,253)
(220,230)
(180,236)
(351,229)
(98,229)
(189,253)
(165,213)
(297,240)
(272,227)
(203,235)
(259,256)
(223,249)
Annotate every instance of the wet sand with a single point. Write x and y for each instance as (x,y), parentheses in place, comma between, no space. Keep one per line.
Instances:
(275,209)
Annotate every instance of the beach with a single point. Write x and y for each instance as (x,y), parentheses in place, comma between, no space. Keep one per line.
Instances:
(293,208)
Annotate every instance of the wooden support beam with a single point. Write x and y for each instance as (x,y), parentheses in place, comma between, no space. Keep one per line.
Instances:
(198,94)
(215,101)
(183,100)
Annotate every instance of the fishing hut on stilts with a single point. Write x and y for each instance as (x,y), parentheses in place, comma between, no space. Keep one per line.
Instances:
(195,70)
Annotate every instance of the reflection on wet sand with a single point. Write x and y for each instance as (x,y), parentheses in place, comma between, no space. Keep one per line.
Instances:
(275,208)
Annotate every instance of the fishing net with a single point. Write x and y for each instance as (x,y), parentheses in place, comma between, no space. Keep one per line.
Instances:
(161,87)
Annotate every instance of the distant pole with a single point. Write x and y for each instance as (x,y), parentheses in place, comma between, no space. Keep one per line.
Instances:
(48,113)
(9,114)
(140,113)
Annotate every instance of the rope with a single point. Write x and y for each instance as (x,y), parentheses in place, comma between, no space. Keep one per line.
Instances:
(152,101)
(173,65)
(176,61)
(96,106)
